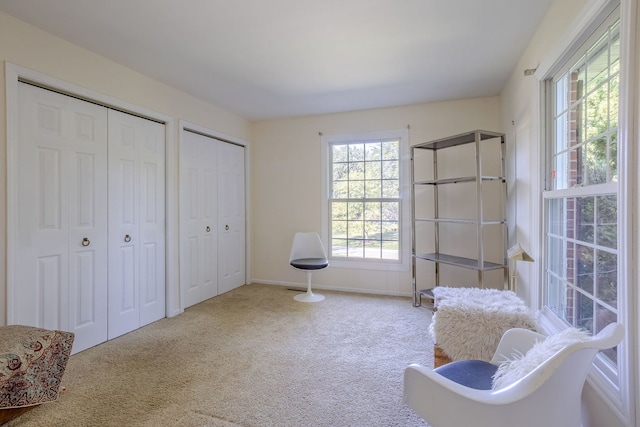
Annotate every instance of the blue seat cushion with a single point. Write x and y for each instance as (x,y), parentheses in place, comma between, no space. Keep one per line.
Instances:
(476,374)
(310,263)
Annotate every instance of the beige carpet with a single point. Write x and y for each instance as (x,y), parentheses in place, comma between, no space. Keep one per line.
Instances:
(251,357)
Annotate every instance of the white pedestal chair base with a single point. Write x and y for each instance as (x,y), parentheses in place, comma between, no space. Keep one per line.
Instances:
(308,297)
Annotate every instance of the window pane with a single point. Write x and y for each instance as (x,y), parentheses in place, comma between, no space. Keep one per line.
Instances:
(607,274)
(372,170)
(373,248)
(390,169)
(355,230)
(570,313)
(356,171)
(390,231)
(356,189)
(562,132)
(613,158)
(355,249)
(613,103)
(338,211)
(356,152)
(598,65)
(585,220)
(390,250)
(614,50)
(556,216)
(570,218)
(339,229)
(340,189)
(391,150)
(339,247)
(561,171)
(607,219)
(390,189)
(355,211)
(391,211)
(596,164)
(373,230)
(556,296)
(340,171)
(555,255)
(373,189)
(597,120)
(604,317)
(373,211)
(373,151)
(562,100)
(585,268)
(584,313)
(340,153)
(578,116)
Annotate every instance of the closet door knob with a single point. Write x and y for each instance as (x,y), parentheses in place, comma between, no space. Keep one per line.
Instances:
(86,241)
(226,227)
(127,238)
(208,229)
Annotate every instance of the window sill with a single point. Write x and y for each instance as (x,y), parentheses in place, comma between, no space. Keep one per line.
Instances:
(369,265)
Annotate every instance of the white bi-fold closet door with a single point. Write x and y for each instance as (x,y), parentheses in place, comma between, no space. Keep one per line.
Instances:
(60,257)
(89,211)
(212,217)
(136,222)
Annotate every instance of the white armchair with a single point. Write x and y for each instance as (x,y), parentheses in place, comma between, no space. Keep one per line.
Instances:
(549,395)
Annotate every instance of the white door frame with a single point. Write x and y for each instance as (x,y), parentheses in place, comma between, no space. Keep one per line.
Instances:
(185,126)
(14,74)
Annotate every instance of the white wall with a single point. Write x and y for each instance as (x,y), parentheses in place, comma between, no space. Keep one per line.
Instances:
(31,48)
(519,109)
(286,182)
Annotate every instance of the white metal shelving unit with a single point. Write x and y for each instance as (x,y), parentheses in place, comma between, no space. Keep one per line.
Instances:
(480,263)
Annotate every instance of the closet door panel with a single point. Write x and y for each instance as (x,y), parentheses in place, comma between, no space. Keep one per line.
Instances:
(209,214)
(86,179)
(124,313)
(136,222)
(39,294)
(190,252)
(152,222)
(61,257)
(198,218)
(231,217)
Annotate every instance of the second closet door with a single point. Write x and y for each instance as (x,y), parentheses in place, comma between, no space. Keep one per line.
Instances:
(136,222)
(198,218)
(231,217)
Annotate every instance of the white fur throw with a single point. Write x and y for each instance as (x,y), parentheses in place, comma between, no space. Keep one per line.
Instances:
(469,322)
(512,370)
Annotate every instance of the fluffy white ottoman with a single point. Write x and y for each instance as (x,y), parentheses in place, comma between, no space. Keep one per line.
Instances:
(469,322)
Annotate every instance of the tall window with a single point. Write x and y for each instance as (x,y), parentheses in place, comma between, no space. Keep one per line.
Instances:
(364,198)
(581,197)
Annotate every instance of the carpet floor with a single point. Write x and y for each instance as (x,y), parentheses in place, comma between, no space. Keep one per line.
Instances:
(251,357)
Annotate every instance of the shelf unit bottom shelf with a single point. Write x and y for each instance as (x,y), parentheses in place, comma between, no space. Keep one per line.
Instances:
(460,261)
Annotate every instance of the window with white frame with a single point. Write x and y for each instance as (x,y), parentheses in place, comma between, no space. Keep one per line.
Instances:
(581,285)
(365,208)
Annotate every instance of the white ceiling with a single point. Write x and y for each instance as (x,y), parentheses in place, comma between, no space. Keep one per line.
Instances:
(278,58)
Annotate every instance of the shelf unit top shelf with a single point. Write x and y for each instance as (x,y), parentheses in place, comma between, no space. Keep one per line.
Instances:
(468,263)
(464,221)
(460,139)
(457,180)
